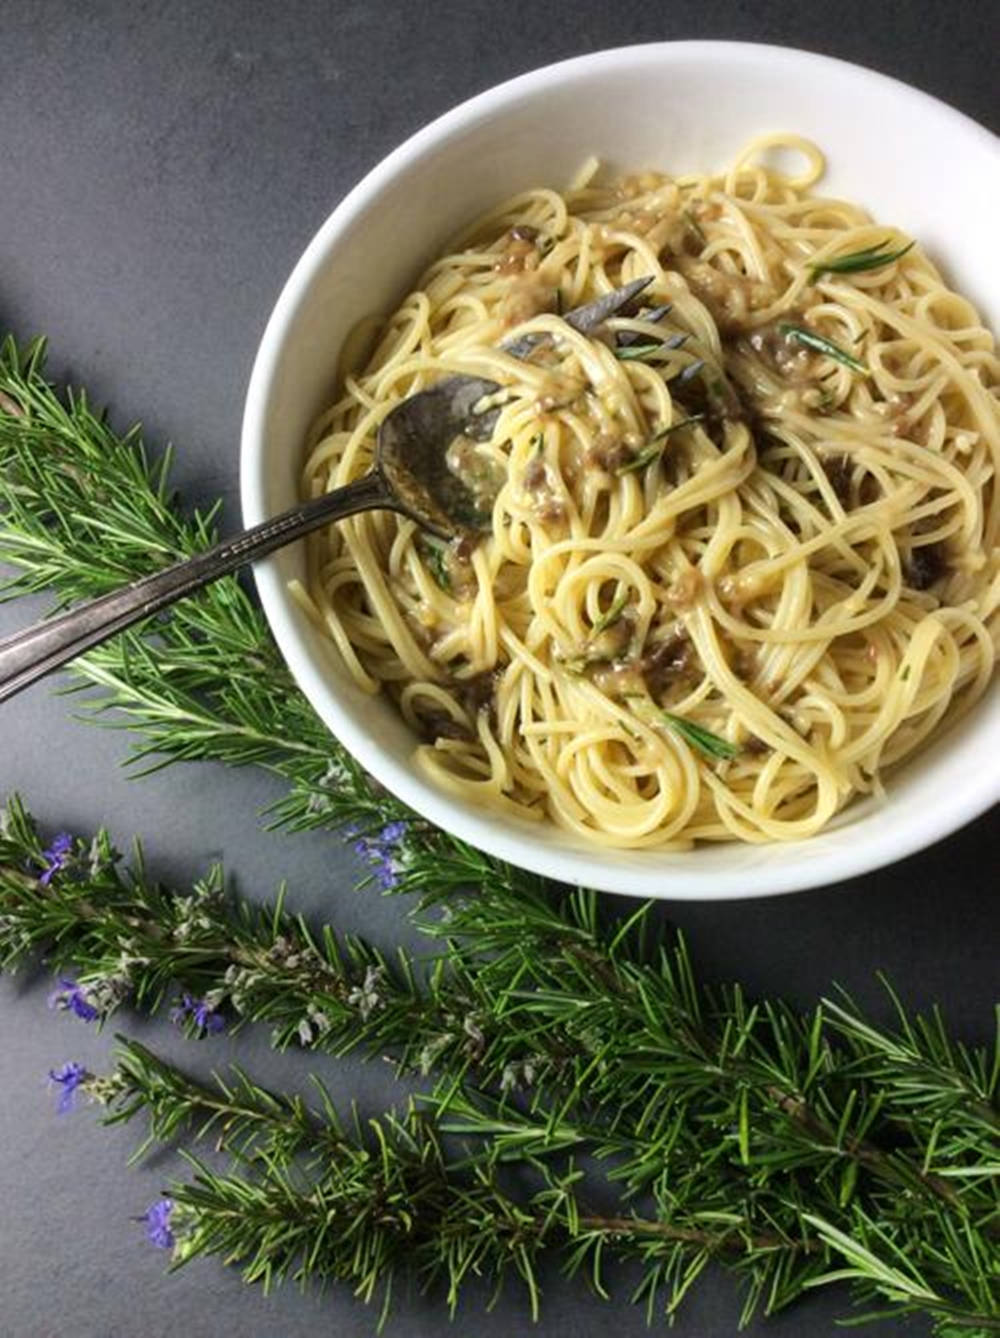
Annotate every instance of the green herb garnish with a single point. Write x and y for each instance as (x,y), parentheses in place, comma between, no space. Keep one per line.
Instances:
(654,447)
(645,457)
(855,262)
(820,344)
(435,555)
(612,615)
(635,352)
(794,1147)
(700,738)
(904,673)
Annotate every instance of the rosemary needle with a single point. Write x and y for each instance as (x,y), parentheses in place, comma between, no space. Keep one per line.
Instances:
(857,262)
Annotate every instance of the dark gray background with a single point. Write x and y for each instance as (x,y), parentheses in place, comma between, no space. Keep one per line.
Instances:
(161,168)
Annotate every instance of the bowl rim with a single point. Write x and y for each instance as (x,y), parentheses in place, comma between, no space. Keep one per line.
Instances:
(673,880)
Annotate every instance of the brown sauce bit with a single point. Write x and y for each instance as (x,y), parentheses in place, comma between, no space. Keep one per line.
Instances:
(475,695)
(654,671)
(665,662)
(731,299)
(839,471)
(685,589)
(896,412)
(618,680)
(609,452)
(529,296)
(789,360)
(521,252)
(478,693)
(536,476)
(927,565)
(436,723)
(547,505)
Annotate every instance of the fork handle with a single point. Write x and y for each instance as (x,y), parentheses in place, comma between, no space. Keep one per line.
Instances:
(29,655)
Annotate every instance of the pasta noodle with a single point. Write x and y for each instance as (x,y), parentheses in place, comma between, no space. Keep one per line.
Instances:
(743,553)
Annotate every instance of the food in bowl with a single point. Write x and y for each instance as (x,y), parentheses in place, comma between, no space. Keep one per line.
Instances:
(743,550)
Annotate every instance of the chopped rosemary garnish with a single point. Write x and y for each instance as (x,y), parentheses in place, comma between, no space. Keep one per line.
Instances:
(577,665)
(537,443)
(645,457)
(700,738)
(435,555)
(904,673)
(654,447)
(558,301)
(635,352)
(630,352)
(855,262)
(820,344)
(611,616)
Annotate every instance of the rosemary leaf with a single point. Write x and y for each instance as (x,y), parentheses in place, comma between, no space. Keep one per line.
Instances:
(435,555)
(703,740)
(654,447)
(856,262)
(612,614)
(799,334)
(638,352)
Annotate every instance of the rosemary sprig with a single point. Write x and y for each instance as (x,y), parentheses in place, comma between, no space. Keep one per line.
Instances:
(654,447)
(638,352)
(700,738)
(435,555)
(561,1027)
(856,262)
(556,1029)
(370,1203)
(611,615)
(84,509)
(820,344)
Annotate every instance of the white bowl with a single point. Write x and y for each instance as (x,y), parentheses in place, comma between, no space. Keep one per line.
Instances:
(680,106)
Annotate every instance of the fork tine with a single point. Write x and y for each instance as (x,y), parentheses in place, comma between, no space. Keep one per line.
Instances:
(592,315)
(585,318)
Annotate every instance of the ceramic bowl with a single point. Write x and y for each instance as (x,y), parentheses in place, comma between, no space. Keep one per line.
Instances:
(910,160)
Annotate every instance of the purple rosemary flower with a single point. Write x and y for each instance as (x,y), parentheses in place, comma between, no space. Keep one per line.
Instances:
(73,998)
(201,1011)
(56,857)
(68,1079)
(157,1219)
(382,852)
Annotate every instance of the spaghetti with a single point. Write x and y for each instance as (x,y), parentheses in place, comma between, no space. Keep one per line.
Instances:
(743,555)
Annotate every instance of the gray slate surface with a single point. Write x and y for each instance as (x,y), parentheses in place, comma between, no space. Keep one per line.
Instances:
(161,168)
